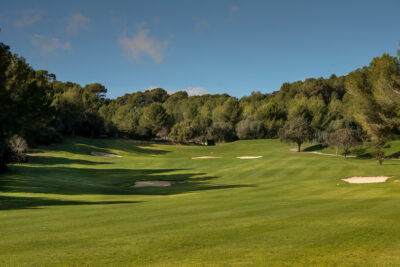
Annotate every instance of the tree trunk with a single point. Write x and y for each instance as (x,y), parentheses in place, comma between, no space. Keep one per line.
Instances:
(298,147)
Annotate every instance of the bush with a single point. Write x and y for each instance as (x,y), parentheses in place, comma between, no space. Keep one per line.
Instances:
(17,149)
(250,129)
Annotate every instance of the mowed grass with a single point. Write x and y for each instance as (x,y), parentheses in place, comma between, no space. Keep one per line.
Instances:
(67,207)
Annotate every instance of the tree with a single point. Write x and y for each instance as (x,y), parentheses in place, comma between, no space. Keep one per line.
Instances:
(250,129)
(222,131)
(376,94)
(344,138)
(296,130)
(153,119)
(181,133)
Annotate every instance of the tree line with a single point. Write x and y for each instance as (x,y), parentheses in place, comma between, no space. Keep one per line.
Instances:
(36,108)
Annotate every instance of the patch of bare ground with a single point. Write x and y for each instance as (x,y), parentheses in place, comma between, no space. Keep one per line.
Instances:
(320,153)
(366,180)
(102,154)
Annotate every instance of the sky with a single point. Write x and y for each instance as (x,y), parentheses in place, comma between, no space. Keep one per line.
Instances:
(233,47)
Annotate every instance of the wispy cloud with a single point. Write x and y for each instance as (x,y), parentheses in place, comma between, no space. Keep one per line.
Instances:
(141,44)
(201,25)
(49,44)
(196,91)
(28,17)
(76,23)
(232,11)
(190,90)
(151,87)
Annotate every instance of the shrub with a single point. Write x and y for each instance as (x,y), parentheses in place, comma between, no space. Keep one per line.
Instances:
(17,149)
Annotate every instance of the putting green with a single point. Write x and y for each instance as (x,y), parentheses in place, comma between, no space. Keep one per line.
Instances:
(68,207)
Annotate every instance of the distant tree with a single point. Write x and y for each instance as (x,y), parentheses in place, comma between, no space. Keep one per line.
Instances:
(181,133)
(273,115)
(296,130)
(344,138)
(153,119)
(250,129)
(222,131)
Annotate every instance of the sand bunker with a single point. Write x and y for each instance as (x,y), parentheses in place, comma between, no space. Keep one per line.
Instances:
(366,180)
(102,154)
(152,183)
(206,157)
(249,157)
(293,149)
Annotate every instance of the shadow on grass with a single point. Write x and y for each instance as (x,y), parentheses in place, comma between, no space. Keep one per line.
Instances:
(76,181)
(13,203)
(395,155)
(84,146)
(44,160)
(314,148)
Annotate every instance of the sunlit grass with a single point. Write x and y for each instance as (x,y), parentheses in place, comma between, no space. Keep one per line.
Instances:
(67,207)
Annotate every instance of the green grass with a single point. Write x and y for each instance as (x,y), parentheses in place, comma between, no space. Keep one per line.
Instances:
(67,207)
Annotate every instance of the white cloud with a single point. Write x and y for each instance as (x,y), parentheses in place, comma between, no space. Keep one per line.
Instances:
(151,87)
(232,11)
(196,91)
(29,17)
(141,44)
(49,44)
(77,22)
(190,90)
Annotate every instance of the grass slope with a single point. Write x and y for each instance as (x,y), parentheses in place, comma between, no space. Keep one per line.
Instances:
(67,207)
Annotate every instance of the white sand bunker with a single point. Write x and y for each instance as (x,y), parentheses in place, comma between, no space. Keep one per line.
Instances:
(152,183)
(102,154)
(249,157)
(206,157)
(366,180)
(294,149)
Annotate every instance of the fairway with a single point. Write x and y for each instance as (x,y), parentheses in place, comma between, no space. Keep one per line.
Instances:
(66,206)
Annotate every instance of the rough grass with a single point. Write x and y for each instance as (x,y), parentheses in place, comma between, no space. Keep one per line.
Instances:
(67,207)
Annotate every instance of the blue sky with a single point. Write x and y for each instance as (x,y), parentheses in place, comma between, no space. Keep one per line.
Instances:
(233,47)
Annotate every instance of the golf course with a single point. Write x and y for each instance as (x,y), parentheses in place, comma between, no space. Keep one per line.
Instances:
(66,206)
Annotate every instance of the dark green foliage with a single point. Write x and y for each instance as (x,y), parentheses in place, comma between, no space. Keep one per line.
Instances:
(222,132)
(25,97)
(181,133)
(153,119)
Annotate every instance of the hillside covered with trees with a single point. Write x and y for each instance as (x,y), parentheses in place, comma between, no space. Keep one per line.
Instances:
(36,108)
